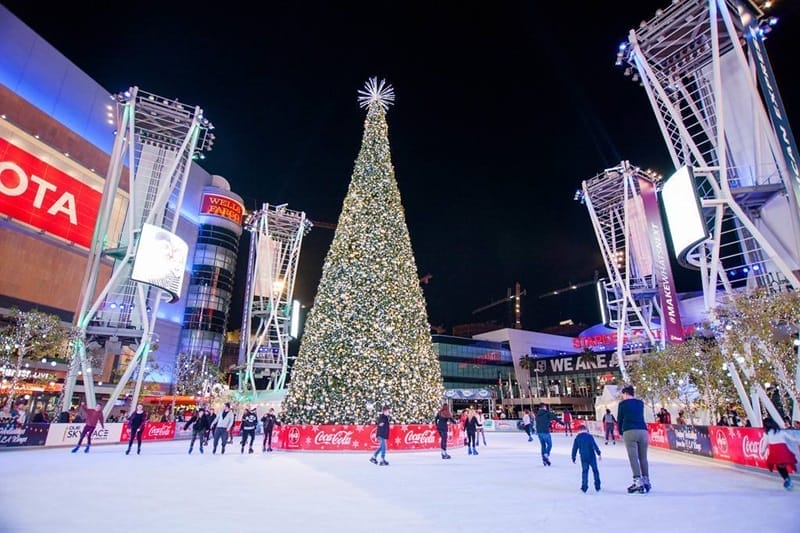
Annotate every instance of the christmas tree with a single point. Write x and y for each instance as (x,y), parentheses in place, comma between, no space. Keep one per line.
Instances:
(367,339)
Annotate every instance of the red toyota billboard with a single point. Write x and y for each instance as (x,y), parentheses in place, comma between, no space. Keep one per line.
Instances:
(42,196)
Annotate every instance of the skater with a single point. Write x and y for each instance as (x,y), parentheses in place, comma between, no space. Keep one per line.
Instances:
(92,418)
(248,427)
(200,423)
(268,421)
(443,418)
(543,418)
(212,424)
(224,424)
(480,433)
(630,417)
(471,427)
(587,446)
(608,424)
(567,418)
(136,427)
(527,423)
(779,445)
(383,436)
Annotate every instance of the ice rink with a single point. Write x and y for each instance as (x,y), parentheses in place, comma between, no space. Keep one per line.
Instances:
(505,488)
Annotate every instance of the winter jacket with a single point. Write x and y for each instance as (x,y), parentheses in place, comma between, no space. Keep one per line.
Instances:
(383,426)
(585,444)
(201,423)
(543,419)
(269,421)
(137,420)
(471,425)
(249,421)
(225,420)
(630,415)
(94,417)
(442,421)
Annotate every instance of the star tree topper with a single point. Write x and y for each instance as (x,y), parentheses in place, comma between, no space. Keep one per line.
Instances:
(375,91)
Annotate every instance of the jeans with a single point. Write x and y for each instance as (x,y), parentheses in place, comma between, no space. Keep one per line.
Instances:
(471,439)
(636,446)
(267,439)
(443,438)
(610,431)
(220,434)
(585,465)
(546,441)
(381,448)
(529,431)
(197,435)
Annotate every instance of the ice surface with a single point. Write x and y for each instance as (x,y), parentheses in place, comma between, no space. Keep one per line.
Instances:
(505,488)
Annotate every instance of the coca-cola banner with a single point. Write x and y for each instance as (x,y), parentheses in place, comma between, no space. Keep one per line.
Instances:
(739,445)
(351,438)
(68,434)
(152,431)
(32,434)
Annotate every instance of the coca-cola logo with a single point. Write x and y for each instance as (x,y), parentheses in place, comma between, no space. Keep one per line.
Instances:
(337,438)
(722,442)
(659,436)
(425,437)
(158,431)
(294,436)
(752,448)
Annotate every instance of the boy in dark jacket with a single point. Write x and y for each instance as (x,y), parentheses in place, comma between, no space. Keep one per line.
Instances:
(383,435)
(586,445)
(201,424)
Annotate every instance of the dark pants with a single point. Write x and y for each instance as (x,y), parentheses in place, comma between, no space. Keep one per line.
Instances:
(267,439)
(136,433)
(248,434)
(568,427)
(529,431)
(471,439)
(197,435)
(585,465)
(610,431)
(220,434)
(86,432)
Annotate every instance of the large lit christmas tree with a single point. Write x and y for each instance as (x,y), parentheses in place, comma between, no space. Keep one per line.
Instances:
(367,339)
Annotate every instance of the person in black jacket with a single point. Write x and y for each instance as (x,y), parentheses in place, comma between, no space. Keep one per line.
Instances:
(543,418)
(268,421)
(443,418)
(136,426)
(200,423)
(248,427)
(586,445)
(471,427)
(632,426)
(383,436)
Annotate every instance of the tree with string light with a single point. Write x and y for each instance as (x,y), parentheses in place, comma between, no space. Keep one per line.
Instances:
(367,338)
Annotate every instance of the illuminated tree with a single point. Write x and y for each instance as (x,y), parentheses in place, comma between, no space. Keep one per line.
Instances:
(30,334)
(758,331)
(367,339)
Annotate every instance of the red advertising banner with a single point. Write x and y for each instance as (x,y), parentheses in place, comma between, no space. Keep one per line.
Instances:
(35,193)
(222,206)
(152,431)
(738,445)
(346,438)
(657,434)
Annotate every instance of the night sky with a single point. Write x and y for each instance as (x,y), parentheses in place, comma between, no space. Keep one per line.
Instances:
(502,110)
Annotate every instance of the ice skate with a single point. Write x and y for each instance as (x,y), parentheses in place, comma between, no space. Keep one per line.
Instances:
(474,451)
(128,451)
(373,460)
(636,488)
(86,450)
(646,484)
(384,462)
(75,449)
(788,484)
(250,450)
(469,451)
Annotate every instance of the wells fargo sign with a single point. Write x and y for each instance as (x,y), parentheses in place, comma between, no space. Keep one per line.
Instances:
(222,206)
(42,196)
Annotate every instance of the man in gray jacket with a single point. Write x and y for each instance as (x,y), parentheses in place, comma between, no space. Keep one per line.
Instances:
(224,425)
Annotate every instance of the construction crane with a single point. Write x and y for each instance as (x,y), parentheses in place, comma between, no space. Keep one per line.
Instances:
(515,297)
(570,287)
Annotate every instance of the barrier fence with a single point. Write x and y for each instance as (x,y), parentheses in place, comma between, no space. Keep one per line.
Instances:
(739,445)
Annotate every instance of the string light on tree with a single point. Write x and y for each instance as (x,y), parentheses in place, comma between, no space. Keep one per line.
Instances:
(367,338)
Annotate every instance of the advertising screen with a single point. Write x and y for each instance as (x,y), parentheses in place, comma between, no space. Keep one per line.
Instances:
(160,260)
(682,209)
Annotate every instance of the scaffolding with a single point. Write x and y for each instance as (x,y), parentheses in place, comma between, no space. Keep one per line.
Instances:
(704,67)
(276,235)
(156,141)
